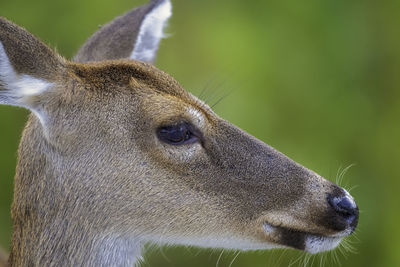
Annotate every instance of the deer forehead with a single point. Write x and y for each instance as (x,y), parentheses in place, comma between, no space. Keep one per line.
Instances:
(159,95)
(106,75)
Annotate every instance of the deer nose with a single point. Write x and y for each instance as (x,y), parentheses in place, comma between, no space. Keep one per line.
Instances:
(345,207)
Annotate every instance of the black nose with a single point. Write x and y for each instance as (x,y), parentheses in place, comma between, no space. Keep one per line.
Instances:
(346,208)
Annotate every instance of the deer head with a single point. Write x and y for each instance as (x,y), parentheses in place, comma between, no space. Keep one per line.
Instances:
(116,154)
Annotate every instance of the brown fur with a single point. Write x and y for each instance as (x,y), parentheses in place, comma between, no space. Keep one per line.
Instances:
(95,174)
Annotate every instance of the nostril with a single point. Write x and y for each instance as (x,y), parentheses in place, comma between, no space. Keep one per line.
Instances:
(344,205)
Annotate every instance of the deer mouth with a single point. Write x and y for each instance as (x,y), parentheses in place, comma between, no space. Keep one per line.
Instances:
(307,241)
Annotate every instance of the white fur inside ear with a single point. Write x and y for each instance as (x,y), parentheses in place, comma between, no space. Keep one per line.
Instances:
(18,89)
(26,86)
(151,32)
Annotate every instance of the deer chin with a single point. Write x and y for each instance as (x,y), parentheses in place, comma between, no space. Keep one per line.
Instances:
(310,242)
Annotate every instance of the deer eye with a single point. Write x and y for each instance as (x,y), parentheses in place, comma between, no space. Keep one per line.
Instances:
(178,134)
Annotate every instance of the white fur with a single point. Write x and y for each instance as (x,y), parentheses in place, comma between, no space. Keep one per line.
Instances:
(151,32)
(127,250)
(114,250)
(197,116)
(315,244)
(26,86)
(268,228)
(224,241)
(17,89)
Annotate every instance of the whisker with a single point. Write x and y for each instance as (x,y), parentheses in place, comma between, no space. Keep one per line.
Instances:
(343,173)
(306,259)
(164,255)
(312,259)
(237,254)
(220,99)
(198,252)
(291,263)
(219,258)
(321,260)
(353,187)
(338,174)
(214,92)
(336,257)
(281,256)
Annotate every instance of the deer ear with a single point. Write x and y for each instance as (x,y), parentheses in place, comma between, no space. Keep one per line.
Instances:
(135,35)
(28,68)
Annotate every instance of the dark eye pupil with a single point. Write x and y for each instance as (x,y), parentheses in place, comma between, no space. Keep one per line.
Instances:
(175,134)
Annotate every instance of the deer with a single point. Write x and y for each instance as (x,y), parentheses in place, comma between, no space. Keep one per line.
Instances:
(117,154)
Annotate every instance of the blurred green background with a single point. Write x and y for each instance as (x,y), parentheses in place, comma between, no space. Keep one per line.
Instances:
(318,80)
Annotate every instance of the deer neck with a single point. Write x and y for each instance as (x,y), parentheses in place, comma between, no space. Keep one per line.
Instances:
(34,246)
(50,229)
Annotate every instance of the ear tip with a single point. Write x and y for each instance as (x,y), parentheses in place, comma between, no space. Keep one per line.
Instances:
(157,2)
(5,25)
(166,5)
(3,20)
